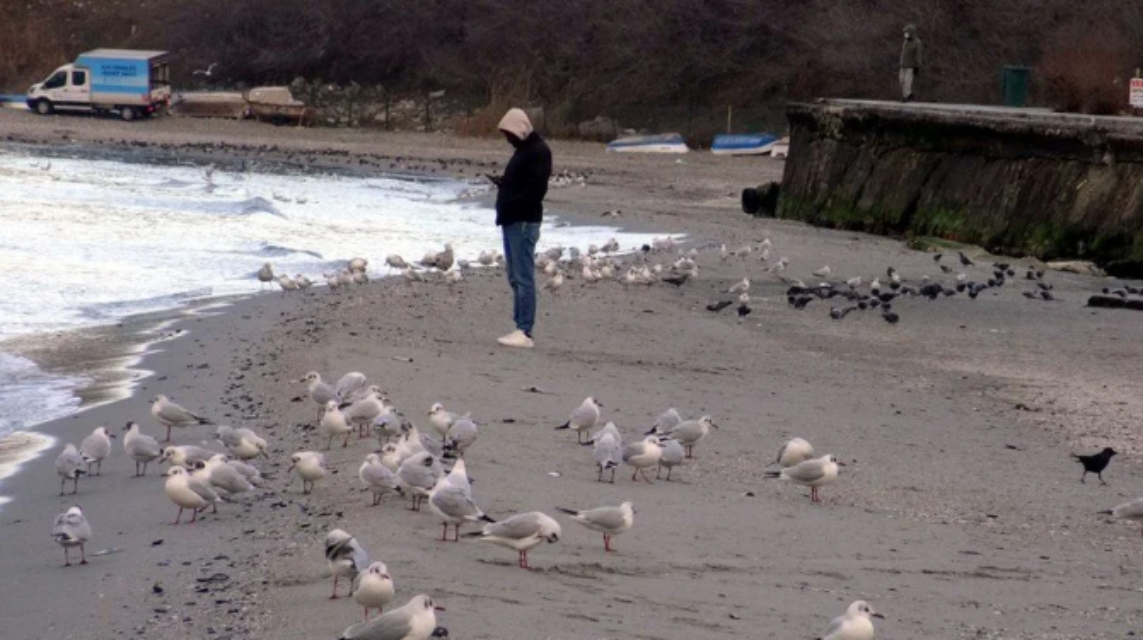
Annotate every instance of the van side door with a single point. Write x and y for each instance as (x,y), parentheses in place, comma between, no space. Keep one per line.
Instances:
(77,92)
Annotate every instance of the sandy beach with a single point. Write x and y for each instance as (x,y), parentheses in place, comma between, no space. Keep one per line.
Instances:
(959,513)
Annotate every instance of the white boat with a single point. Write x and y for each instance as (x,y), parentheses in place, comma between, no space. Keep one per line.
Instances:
(663,143)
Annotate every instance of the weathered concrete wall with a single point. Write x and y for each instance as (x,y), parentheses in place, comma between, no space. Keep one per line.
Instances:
(1016,182)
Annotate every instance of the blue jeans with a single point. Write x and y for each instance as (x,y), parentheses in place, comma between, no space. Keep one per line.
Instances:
(520,256)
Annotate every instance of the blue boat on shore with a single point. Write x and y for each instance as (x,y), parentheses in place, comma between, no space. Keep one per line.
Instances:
(749,144)
(663,143)
(12,101)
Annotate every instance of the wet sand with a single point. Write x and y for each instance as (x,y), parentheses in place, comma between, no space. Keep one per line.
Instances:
(959,514)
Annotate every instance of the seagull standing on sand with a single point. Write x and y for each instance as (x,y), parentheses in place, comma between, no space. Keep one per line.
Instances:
(378,478)
(320,392)
(346,558)
(690,432)
(856,624)
(609,521)
(69,466)
(188,493)
(454,506)
(266,275)
(363,411)
(95,448)
(794,451)
(461,435)
(673,456)
(583,418)
(374,588)
(242,442)
(71,530)
(813,473)
(333,424)
(642,456)
(521,532)
(310,466)
(185,456)
(419,474)
(440,419)
(608,451)
(396,262)
(742,286)
(417,620)
(170,415)
(143,449)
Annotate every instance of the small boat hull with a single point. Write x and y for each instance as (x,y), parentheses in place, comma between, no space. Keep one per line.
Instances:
(665,143)
(753,144)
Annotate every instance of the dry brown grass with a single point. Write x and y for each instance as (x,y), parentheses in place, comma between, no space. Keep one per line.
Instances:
(1084,72)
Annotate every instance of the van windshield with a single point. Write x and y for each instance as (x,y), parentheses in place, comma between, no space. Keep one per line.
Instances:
(57,80)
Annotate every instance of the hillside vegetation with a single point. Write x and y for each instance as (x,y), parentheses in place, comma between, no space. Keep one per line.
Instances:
(581,58)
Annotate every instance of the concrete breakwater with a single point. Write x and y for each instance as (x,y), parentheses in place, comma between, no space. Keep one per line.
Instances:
(1019,182)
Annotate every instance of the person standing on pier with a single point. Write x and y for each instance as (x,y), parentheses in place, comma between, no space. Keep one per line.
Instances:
(910,62)
(519,212)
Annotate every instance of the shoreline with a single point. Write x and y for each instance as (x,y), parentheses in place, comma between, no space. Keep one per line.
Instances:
(959,514)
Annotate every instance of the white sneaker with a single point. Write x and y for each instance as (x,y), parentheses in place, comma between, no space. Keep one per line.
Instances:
(517,339)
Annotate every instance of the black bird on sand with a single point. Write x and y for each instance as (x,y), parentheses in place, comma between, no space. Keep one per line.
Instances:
(937,257)
(891,317)
(1095,463)
(677,280)
(719,305)
(965,260)
(744,310)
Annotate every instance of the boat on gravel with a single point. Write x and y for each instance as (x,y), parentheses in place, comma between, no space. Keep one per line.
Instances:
(662,143)
(743,144)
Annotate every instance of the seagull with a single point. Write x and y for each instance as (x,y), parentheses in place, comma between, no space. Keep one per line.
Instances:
(419,474)
(346,558)
(813,473)
(607,520)
(374,588)
(454,506)
(188,493)
(310,466)
(95,448)
(72,530)
(521,532)
(1128,511)
(583,418)
(208,72)
(666,421)
(358,264)
(673,456)
(824,272)
(69,466)
(643,455)
(266,275)
(417,620)
(794,451)
(170,415)
(461,435)
(441,419)
(333,424)
(142,448)
(241,442)
(856,624)
(397,262)
(320,392)
(742,286)
(378,478)
(185,456)
(690,432)
(608,451)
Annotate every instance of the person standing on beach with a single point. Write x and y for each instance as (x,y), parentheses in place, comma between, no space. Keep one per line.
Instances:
(519,211)
(910,62)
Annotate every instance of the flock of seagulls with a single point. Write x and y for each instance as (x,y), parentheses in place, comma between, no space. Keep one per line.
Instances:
(429,467)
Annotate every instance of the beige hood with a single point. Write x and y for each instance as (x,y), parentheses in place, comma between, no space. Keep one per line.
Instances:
(517,123)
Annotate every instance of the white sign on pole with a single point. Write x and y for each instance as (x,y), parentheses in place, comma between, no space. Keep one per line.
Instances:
(1136,95)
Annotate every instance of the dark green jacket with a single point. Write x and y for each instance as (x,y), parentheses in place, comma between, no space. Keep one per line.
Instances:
(911,50)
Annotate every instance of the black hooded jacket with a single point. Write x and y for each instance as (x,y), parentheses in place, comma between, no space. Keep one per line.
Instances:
(525,183)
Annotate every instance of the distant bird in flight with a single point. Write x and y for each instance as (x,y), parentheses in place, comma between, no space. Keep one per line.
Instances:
(208,72)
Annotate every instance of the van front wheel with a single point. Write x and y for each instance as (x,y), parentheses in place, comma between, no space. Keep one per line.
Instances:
(128,114)
(44,107)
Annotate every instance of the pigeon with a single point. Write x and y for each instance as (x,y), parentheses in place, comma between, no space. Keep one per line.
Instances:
(1095,463)
(609,521)
(72,530)
(346,558)
(964,260)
